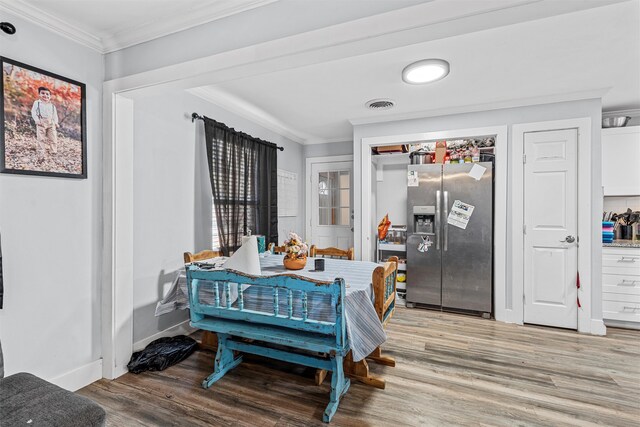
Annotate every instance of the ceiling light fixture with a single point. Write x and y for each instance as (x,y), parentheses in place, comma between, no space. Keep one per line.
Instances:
(425,71)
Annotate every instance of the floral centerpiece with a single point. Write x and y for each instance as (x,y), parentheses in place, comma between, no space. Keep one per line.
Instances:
(296,252)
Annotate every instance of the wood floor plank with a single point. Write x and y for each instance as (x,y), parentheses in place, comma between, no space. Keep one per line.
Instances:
(450,370)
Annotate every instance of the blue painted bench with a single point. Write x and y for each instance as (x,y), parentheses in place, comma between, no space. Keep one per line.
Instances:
(227,313)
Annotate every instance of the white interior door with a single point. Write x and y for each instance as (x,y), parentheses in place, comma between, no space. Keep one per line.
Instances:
(331,205)
(551,223)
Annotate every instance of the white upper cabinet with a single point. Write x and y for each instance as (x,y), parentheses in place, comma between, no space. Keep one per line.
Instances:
(621,161)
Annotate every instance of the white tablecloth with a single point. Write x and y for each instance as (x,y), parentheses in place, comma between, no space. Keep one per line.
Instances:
(364,329)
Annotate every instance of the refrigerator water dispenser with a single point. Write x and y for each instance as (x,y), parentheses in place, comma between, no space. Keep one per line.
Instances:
(423,219)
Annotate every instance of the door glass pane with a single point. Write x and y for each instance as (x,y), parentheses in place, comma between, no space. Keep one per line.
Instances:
(324,216)
(344,179)
(333,179)
(344,216)
(344,198)
(334,198)
(324,201)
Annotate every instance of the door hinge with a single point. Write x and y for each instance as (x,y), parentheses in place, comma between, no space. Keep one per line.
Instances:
(524,158)
(524,228)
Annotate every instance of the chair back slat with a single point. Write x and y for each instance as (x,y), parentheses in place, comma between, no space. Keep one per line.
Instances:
(276,303)
(217,294)
(304,306)
(289,303)
(348,254)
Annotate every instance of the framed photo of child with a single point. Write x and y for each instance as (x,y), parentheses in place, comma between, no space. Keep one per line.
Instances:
(43,127)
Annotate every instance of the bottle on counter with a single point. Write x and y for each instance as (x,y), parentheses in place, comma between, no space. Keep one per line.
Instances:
(475,154)
(467,156)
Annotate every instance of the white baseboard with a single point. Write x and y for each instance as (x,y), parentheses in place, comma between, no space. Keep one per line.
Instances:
(80,377)
(180,329)
(622,324)
(598,327)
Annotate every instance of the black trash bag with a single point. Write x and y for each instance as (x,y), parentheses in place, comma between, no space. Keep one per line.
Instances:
(162,353)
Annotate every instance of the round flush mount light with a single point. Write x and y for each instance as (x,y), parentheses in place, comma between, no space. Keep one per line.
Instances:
(425,71)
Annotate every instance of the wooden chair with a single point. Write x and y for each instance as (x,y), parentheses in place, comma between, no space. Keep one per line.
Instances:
(200,256)
(384,288)
(209,339)
(276,249)
(314,251)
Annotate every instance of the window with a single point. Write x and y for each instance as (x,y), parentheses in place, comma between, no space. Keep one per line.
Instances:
(215,239)
(334,197)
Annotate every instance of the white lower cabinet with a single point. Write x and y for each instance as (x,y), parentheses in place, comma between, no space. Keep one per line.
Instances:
(621,284)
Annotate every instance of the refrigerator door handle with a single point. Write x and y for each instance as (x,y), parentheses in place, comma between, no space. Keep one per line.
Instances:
(437,221)
(446,223)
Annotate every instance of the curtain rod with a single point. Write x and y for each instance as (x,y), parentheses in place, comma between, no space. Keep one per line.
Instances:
(197,116)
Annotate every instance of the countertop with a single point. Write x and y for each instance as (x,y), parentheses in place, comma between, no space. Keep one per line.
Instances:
(623,244)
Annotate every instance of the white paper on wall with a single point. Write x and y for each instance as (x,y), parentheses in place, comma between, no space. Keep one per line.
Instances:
(287,193)
(460,214)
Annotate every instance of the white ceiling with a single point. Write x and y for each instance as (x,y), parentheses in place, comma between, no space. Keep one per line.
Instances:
(109,25)
(538,61)
(502,53)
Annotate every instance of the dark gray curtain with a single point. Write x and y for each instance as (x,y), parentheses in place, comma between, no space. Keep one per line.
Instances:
(1,287)
(244,182)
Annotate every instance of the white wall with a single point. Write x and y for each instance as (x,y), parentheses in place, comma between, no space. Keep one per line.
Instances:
(537,113)
(392,194)
(172,195)
(329,149)
(52,232)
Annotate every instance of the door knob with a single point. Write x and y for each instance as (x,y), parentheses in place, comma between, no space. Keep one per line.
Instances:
(568,239)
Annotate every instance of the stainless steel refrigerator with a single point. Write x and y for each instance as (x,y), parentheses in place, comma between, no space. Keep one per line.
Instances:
(450,255)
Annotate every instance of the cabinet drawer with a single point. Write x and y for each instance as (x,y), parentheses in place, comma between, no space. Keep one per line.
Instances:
(608,296)
(617,310)
(627,263)
(621,284)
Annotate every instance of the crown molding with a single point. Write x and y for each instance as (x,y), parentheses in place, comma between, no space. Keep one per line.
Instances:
(188,18)
(127,36)
(51,23)
(498,105)
(252,113)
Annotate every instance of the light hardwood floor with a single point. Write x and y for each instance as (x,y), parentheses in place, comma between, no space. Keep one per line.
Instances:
(451,370)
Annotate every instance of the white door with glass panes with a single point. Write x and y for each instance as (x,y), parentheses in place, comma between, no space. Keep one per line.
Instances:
(331,205)
(551,225)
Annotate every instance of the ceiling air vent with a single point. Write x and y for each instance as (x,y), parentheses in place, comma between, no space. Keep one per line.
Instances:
(380,104)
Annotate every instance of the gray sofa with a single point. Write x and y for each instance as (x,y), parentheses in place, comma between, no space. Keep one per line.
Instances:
(26,400)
